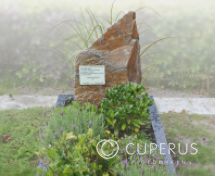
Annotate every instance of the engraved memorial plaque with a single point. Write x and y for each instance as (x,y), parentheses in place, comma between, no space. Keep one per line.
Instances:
(92,74)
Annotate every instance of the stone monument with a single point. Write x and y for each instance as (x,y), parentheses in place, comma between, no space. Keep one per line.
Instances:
(112,59)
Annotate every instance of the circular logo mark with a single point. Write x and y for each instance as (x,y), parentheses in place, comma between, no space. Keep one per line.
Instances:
(107,148)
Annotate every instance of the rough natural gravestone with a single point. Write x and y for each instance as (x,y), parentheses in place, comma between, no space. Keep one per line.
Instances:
(112,59)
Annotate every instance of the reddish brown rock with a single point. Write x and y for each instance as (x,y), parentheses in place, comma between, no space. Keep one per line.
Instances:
(118,49)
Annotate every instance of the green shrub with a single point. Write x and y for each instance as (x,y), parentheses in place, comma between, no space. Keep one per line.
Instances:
(77,118)
(76,155)
(125,109)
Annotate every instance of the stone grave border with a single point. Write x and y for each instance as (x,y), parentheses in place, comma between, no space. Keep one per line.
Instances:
(161,138)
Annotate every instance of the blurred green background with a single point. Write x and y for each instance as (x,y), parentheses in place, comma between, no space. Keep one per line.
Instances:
(40,39)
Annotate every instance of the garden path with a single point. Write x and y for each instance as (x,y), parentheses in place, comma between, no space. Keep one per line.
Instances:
(193,105)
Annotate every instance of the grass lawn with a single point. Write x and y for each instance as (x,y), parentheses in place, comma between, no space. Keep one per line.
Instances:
(19,140)
(184,128)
